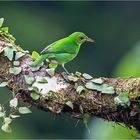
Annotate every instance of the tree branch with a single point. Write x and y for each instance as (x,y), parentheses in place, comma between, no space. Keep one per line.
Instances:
(60,94)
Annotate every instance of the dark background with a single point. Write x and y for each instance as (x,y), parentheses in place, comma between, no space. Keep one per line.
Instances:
(116,28)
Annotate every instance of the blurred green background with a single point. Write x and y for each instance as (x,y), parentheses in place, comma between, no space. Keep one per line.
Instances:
(116,28)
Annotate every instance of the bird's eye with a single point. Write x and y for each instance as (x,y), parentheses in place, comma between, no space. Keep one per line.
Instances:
(81,38)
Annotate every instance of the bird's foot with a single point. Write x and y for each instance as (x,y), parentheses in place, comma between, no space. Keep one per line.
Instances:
(65,69)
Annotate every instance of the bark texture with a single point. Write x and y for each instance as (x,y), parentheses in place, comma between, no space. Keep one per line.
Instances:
(58,91)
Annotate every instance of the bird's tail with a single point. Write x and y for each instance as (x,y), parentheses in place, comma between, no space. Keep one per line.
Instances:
(39,60)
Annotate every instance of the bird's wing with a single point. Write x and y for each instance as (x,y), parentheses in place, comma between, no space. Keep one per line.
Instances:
(60,46)
(46,49)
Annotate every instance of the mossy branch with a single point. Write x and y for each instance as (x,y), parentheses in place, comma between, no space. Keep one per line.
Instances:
(61,93)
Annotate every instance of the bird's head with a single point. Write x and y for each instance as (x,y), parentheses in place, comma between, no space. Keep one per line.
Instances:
(79,38)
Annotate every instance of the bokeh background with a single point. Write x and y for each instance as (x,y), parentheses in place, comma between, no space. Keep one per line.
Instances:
(116,28)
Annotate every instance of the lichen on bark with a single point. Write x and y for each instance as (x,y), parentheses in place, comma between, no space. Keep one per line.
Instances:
(59,90)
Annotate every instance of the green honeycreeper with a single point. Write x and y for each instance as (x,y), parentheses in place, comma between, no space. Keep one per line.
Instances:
(63,50)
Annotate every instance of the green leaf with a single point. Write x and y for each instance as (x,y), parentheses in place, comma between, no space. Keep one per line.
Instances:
(33,88)
(35,68)
(29,79)
(72,78)
(41,80)
(53,65)
(4,29)
(14,102)
(51,71)
(7,120)
(107,89)
(35,55)
(24,110)
(1,114)
(86,118)
(87,76)
(35,95)
(79,89)
(77,73)
(9,52)
(15,70)
(6,128)
(14,116)
(12,39)
(122,99)
(16,63)
(3,84)
(97,81)
(104,88)
(93,86)
(70,104)
(25,51)
(19,55)
(1,21)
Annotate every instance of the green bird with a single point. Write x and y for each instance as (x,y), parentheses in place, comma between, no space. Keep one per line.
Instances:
(63,50)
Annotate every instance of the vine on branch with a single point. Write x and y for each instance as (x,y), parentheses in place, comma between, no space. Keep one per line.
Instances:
(80,95)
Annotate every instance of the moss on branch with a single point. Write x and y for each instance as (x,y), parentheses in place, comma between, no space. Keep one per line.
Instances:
(59,93)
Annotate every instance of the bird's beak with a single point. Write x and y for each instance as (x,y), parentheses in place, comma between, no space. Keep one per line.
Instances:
(90,40)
